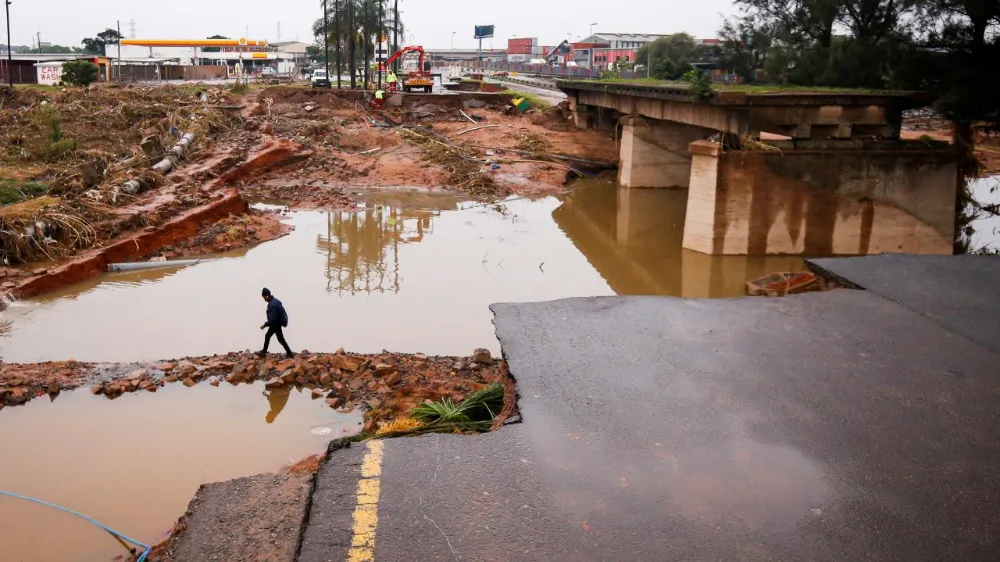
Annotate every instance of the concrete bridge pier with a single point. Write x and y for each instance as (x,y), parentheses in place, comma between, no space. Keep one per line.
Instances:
(833,197)
(656,153)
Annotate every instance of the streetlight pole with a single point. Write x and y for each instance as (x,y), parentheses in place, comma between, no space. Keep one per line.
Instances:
(337,37)
(326,41)
(10,62)
(591,39)
(453,41)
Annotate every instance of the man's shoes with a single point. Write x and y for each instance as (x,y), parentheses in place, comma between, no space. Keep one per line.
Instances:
(290,355)
(261,354)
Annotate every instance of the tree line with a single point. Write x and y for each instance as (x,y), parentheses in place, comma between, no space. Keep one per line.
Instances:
(947,47)
(353,29)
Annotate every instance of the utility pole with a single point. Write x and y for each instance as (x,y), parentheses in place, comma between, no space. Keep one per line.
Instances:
(39,33)
(365,68)
(591,39)
(131,28)
(352,34)
(378,41)
(395,35)
(10,61)
(118,39)
(336,36)
(326,41)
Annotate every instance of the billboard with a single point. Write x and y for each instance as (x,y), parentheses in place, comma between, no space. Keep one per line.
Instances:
(484,31)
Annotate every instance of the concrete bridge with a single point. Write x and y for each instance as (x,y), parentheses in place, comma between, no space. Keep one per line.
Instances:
(841,183)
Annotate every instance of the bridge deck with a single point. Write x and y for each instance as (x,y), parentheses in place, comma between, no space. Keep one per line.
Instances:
(749,96)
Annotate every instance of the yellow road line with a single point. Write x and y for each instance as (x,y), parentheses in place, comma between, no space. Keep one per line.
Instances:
(366,509)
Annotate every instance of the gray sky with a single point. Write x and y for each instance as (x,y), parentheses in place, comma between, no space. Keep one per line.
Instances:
(432,21)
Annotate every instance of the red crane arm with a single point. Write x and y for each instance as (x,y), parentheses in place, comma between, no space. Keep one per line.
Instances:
(403,51)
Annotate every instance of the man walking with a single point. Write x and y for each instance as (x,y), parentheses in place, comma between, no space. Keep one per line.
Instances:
(277,319)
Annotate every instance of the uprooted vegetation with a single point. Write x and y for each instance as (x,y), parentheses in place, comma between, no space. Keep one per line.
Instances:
(82,147)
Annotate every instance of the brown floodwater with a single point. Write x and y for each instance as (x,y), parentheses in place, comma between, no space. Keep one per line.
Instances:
(408,272)
(135,462)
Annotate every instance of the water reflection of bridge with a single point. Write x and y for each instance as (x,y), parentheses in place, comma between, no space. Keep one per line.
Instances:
(362,247)
(633,238)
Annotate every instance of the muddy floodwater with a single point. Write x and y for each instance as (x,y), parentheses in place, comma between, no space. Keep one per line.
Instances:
(135,462)
(410,272)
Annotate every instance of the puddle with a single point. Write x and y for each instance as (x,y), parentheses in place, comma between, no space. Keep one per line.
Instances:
(410,273)
(134,463)
(987,229)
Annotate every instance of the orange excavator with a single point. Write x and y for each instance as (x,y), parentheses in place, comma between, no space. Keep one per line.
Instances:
(415,79)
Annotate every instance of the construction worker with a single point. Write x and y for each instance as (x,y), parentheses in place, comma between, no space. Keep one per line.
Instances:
(391,80)
(379,94)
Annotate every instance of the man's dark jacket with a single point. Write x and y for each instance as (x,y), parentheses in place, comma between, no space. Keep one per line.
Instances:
(276,315)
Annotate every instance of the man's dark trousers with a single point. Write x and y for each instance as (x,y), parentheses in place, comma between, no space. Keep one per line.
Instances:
(276,331)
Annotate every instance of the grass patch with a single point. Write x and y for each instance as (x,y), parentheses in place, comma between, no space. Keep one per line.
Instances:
(535,101)
(13,191)
(38,87)
(749,88)
(473,415)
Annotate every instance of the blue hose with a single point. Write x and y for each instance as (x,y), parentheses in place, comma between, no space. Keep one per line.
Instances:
(113,532)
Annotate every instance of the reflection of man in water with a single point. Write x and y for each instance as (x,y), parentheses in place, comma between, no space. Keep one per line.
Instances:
(277,399)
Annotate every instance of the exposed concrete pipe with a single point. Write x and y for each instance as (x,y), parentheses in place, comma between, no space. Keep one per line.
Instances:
(132,187)
(140,266)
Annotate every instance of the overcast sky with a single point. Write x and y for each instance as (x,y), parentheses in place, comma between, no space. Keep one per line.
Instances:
(431,21)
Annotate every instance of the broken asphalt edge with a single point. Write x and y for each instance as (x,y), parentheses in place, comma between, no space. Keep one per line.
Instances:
(331,448)
(830,277)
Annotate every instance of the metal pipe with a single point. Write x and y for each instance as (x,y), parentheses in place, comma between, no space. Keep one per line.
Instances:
(165,166)
(139,266)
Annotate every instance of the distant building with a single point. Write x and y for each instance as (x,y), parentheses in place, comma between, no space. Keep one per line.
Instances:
(276,55)
(46,69)
(604,49)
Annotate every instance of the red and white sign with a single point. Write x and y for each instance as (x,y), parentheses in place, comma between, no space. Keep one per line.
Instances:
(50,74)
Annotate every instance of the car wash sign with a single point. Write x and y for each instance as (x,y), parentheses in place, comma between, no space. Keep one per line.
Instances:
(49,73)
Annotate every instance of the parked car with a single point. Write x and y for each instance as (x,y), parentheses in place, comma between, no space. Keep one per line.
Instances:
(268,71)
(320,79)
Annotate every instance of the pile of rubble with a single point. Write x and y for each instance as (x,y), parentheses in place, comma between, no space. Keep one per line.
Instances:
(385,385)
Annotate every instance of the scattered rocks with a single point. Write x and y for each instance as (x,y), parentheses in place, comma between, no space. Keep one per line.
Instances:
(387,385)
(345,363)
(241,373)
(482,357)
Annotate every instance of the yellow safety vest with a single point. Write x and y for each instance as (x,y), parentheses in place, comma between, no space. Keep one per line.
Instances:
(379,94)
(391,77)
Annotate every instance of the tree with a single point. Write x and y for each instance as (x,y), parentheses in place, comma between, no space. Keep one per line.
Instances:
(96,45)
(93,46)
(110,36)
(214,49)
(670,56)
(79,73)
(371,18)
(746,42)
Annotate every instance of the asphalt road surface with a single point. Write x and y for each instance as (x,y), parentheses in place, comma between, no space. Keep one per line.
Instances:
(826,426)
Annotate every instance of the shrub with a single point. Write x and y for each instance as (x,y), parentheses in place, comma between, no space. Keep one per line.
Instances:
(79,73)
